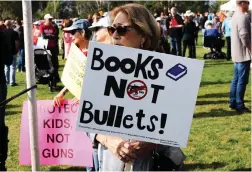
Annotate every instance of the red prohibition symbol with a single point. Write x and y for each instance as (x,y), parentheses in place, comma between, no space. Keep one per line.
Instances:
(137,90)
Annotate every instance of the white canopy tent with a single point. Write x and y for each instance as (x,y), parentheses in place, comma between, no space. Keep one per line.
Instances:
(231,6)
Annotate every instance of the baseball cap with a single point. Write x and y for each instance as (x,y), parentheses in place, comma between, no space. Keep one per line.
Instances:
(36,23)
(79,24)
(48,16)
(103,22)
(158,19)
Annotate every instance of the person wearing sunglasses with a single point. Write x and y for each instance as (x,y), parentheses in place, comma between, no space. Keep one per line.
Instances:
(100,31)
(132,26)
(80,37)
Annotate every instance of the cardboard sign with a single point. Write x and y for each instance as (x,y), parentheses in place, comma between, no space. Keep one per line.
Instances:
(73,73)
(59,142)
(140,95)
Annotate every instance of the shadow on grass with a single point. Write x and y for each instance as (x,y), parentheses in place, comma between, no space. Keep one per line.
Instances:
(9,106)
(12,112)
(220,63)
(213,165)
(212,102)
(67,169)
(58,88)
(213,95)
(215,113)
(242,169)
(204,83)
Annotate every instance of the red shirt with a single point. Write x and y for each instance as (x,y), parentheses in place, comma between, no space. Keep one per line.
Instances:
(50,33)
(173,22)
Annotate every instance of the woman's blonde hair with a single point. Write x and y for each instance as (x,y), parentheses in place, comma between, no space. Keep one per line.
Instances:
(143,21)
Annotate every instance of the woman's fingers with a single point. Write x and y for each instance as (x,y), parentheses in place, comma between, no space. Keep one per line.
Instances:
(128,152)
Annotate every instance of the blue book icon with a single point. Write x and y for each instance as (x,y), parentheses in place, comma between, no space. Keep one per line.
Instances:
(177,72)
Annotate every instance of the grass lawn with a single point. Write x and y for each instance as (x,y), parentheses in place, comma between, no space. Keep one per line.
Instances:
(219,137)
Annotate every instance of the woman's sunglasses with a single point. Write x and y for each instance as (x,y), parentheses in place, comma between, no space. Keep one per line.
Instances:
(121,30)
(74,31)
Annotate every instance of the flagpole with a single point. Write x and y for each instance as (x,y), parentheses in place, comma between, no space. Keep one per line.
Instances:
(30,80)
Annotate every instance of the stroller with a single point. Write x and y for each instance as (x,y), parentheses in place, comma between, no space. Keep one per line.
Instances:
(215,44)
(44,71)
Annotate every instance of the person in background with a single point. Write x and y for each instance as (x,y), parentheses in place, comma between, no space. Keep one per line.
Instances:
(90,20)
(67,38)
(36,32)
(50,31)
(241,56)
(5,59)
(10,71)
(226,29)
(164,46)
(196,20)
(189,32)
(100,31)
(96,17)
(175,25)
(217,24)
(222,16)
(21,60)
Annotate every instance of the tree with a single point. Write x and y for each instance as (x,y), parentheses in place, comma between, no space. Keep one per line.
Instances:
(214,7)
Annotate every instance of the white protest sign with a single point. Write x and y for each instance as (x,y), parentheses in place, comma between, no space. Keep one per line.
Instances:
(73,73)
(42,43)
(140,95)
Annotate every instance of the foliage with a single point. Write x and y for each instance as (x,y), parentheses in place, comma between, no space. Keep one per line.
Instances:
(10,9)
(215,7)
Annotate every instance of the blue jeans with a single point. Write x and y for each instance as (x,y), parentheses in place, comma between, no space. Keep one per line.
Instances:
(96,162)
(238,85)
(176,46)
(3,95)
(21,60)
(10,71)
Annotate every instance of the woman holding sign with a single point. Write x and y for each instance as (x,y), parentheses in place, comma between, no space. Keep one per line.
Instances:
(80,37)
(132,26)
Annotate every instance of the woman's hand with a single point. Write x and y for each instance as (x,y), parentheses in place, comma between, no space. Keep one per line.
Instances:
(75,101)
(142,148)
(119,147)
(57,100)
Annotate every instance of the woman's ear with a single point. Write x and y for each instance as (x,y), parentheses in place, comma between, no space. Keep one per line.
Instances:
(142,41)
(83,34)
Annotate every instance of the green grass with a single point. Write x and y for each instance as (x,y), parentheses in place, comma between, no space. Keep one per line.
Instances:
(219,137)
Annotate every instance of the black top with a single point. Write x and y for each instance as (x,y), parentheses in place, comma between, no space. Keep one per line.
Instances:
(5,55)
(189,30)
(20,31)
(13,36)
(175,32)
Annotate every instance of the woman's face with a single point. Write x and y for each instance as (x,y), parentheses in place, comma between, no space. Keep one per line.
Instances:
(77,37)
(101,35)
(131,38)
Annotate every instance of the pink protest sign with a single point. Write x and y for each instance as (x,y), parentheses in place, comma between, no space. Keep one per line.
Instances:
(59,142)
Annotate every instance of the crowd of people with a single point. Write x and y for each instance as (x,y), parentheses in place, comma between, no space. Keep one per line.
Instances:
(130,25)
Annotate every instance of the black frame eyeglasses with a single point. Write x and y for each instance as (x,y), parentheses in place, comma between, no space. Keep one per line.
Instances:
(121,30)
(72,32)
